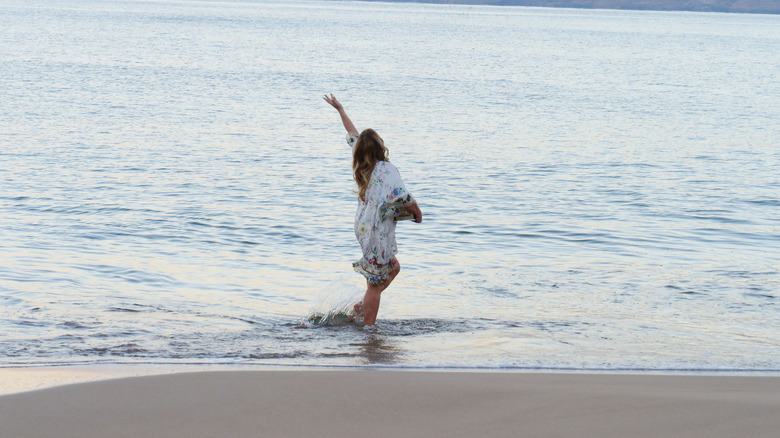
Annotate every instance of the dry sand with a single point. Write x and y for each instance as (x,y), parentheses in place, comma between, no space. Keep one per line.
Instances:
(382,403)
(31,378)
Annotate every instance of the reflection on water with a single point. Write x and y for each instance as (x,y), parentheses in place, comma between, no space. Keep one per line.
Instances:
(377,350)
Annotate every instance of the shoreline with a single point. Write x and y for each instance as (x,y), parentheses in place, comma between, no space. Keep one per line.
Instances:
(17,379)
(390,403)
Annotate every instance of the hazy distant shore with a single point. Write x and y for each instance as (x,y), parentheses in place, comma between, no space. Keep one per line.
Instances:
(739,6)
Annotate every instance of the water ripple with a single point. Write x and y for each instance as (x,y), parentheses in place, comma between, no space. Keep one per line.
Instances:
(158,204)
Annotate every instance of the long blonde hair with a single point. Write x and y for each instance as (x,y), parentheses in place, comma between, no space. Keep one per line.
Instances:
(368,150)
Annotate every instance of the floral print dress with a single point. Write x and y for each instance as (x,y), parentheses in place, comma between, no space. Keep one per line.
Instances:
(386,197)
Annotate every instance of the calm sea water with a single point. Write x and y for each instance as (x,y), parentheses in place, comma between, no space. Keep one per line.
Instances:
(601,189)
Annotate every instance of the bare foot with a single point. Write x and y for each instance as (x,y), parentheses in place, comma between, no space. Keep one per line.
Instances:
(357,311)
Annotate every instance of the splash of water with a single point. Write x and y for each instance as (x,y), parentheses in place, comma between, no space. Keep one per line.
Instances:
(335,303)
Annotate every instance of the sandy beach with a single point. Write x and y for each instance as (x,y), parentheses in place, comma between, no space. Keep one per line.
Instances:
(384,403)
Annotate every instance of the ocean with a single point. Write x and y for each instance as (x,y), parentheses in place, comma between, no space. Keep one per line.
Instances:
(600,189)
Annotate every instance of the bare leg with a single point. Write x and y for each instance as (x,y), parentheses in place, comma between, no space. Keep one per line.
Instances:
(357,309)
(393,273)
(371,303)
(374,295)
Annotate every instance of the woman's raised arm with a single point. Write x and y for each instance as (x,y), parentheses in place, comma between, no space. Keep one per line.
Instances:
(348,125)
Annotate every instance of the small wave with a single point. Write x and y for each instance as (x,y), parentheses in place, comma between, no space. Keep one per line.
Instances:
(272,356)
(10,301)
(760,295)
(423,326)
(764,202)
(74,325)
(123,309)
(246,364)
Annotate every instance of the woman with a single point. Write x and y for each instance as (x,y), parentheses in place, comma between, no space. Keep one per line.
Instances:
(382,197)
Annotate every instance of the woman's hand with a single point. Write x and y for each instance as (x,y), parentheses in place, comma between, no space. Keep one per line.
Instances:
(348,125)
(333,102)
(414,209)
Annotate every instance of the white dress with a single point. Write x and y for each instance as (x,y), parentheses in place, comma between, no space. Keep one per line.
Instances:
(386,196)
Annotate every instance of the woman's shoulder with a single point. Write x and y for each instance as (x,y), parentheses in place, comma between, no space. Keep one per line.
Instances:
(387,169)
(385,166)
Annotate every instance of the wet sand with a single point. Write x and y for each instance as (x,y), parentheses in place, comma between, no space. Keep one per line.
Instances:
(384,403)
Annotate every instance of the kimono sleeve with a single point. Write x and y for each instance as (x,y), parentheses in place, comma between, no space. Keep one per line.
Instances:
(351,140)
(395,196)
